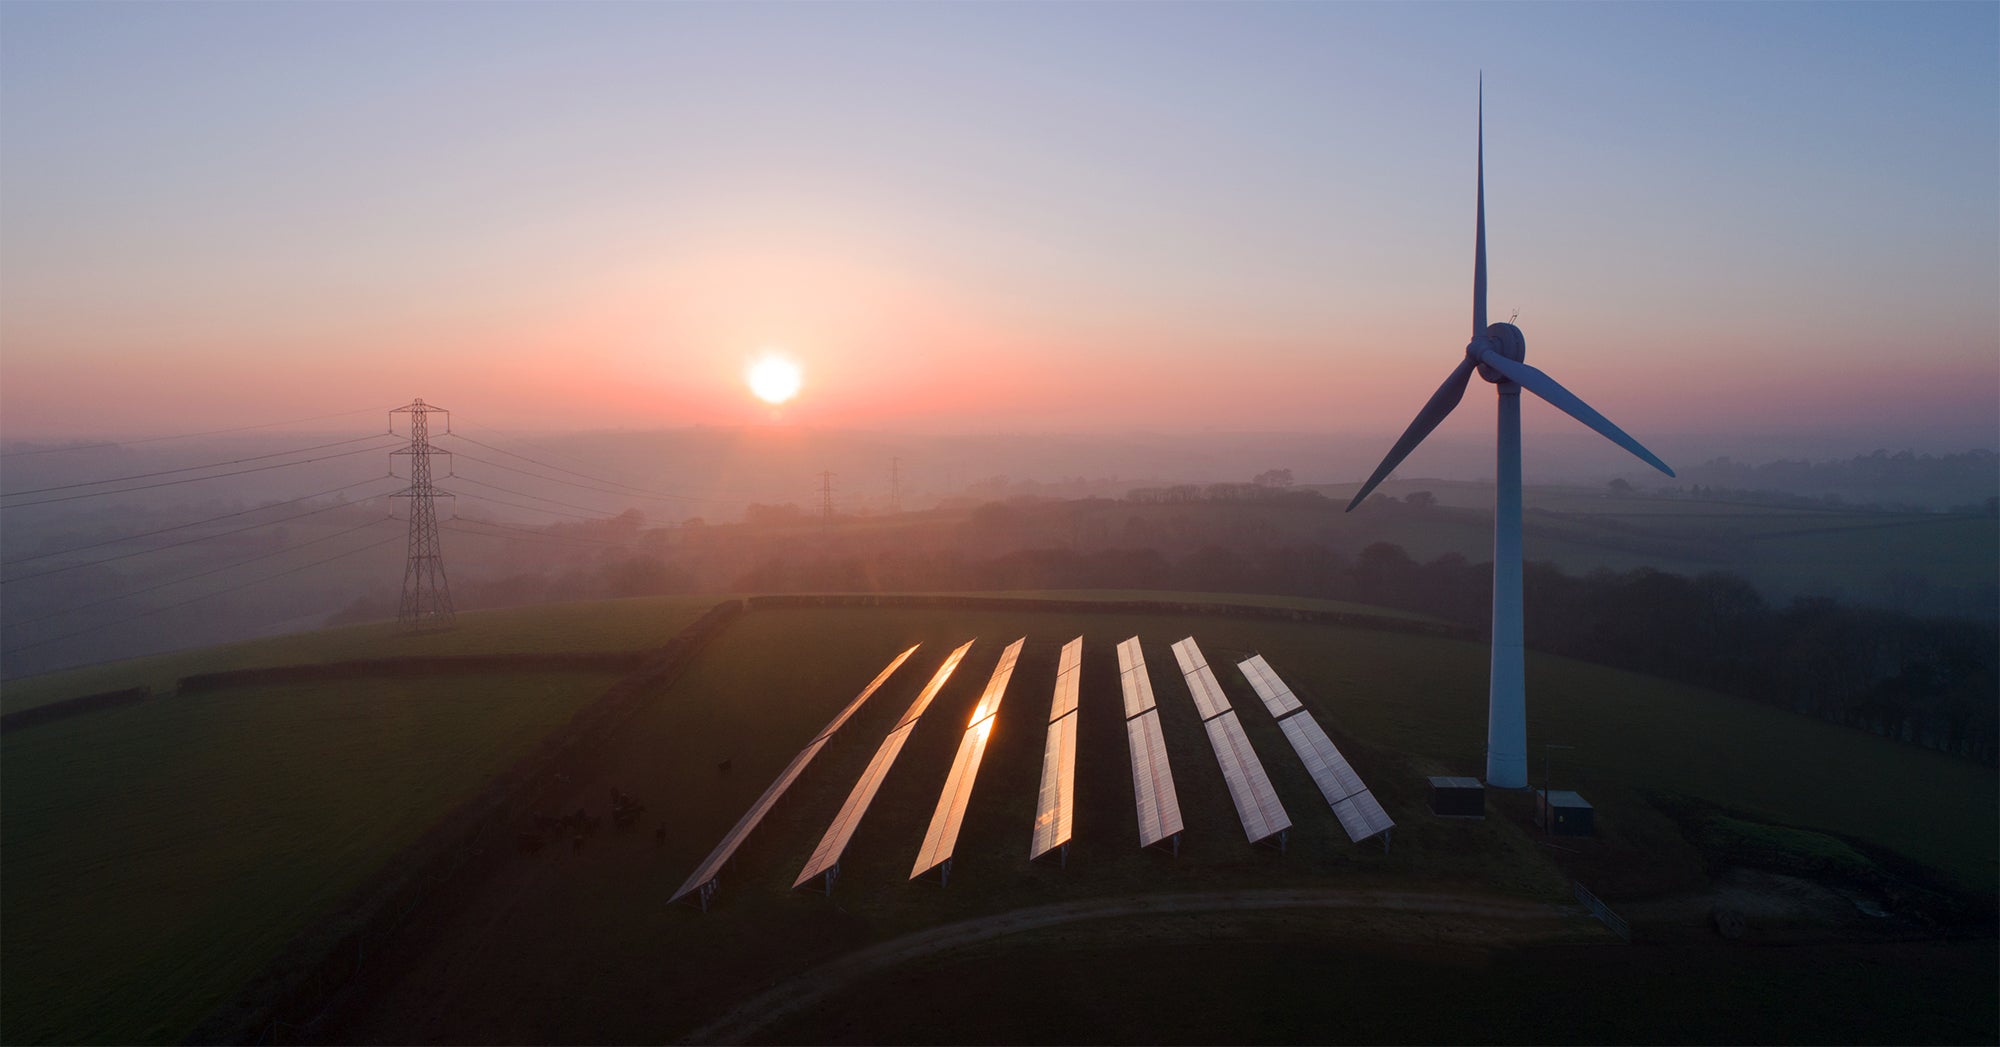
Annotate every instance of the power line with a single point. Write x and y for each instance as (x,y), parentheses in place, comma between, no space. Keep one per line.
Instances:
(198,599)
(189,541)
(185,436)
(192,468)
(526,535)
(532,508)
(200,574)
(185,526)
(573,483)
(196,479)
(572,472)
(537,497)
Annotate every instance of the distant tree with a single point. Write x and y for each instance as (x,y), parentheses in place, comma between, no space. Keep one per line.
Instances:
(1422,500)
(1620,487)
(1274,478)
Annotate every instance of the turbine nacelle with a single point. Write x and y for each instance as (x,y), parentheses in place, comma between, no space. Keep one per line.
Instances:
(1504,339)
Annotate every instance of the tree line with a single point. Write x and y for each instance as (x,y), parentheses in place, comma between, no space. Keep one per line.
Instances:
(1926,681)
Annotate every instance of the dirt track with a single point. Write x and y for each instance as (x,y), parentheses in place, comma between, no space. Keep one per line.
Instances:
(799,993)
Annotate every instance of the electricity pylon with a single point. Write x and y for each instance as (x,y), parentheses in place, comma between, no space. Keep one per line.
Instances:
(426,602)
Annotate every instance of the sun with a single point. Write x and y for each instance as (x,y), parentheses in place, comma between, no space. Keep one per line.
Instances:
(773,379)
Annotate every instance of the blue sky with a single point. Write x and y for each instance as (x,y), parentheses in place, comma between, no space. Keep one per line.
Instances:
(1712,217)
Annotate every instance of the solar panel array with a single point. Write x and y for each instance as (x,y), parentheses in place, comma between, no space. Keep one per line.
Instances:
(825,860)
(1277,697)
(942,836)
(1249,787)
(1055,801)
(1257,805)
(1208,696)
(1132,680)
(1356,808)
(1153,796)
(706,876)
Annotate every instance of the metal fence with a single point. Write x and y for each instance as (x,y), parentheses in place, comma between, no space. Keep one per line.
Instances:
(1603,912)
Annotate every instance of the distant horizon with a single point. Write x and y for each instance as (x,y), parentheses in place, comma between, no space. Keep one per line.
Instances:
(1013,218)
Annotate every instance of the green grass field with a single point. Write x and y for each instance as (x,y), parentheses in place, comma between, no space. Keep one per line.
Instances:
(158,855)
(153,854)
(613,625)
(1400,706)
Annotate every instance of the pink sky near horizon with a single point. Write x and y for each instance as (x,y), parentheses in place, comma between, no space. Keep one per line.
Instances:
(955,224)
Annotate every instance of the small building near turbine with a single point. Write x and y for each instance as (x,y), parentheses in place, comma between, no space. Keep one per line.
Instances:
(1564,813)
(1458,797)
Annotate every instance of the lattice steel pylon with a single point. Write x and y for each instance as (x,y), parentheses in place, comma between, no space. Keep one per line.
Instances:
(426,602)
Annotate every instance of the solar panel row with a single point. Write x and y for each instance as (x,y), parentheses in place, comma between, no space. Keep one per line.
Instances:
(705,877)
(1360,814)
(1132,679)
(942,836)
(1152,780)
(1277,697)
(1208,696)
(1054,800)
(1250,788)
(825,860)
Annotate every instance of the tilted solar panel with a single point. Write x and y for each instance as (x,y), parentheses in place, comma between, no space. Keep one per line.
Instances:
(1362,816)
(1132,679)
(834,843)
(866,692)
(996,685)
(1072,658)
(1330,770)
(1208,696)
(1055,803)
(711,866)
(942,836)
(1249,787)
(1277,697)
(936,684)
(1159,807)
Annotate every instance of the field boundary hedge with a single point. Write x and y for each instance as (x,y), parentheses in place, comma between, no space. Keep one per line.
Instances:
(413,665)
(351,669)
(319,966)
(68,707)
(1038,604)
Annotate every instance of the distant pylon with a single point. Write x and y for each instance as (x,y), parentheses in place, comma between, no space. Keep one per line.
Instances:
(895,485)
(826,499)
(426,602)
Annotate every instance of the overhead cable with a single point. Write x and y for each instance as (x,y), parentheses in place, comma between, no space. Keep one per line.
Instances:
(207,596)
(190,436)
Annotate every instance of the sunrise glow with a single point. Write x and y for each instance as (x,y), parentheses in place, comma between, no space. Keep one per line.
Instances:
(773,379)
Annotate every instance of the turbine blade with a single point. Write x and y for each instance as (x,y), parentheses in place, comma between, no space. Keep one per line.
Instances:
(1479,234)
(1549,389)
(1439,405)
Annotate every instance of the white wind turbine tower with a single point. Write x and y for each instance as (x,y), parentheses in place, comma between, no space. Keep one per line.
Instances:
(1497,351)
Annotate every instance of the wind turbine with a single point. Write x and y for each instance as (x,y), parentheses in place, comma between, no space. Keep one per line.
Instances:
(1496,352)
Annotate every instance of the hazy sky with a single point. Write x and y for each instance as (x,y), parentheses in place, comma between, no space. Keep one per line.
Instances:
(1741,217)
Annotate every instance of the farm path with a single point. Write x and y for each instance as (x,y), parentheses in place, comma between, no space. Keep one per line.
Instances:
(744,1021)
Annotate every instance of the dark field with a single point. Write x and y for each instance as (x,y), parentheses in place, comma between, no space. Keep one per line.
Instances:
(1357,990)
(565,947)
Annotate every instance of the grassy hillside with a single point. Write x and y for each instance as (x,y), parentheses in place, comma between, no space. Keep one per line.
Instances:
(595,956)
(157,856)
(154,855)
(612,625)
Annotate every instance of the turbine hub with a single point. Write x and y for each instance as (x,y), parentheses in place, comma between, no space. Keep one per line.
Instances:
(1504,339)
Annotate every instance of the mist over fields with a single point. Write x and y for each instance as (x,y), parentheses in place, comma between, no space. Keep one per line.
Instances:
(303,528)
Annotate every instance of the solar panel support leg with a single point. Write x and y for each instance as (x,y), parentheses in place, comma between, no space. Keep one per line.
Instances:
(1065,855)
(1177,845)
(944,873)
(1385,840)
(1282,833)
(707,892)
